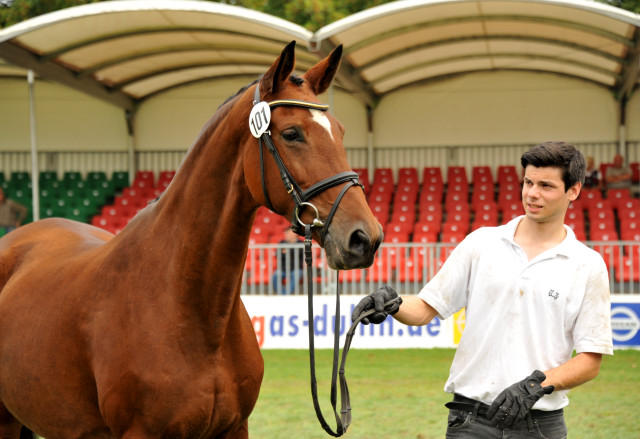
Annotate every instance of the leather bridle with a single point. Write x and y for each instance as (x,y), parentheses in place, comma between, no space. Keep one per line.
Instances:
(259,123)
(261,114)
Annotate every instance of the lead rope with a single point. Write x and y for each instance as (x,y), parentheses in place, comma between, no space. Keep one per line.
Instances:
(344,419)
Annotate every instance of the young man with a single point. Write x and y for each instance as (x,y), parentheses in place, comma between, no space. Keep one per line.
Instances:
(533,294)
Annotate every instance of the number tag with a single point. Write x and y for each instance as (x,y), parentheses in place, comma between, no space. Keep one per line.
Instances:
(259,119)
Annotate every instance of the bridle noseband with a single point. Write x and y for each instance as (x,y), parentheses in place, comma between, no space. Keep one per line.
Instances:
(259,122)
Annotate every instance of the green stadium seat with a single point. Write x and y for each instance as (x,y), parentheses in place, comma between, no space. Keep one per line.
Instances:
(71,177)
(51,185)
(77,214)
(47,212)
(47,176)
(120,179)
(21,196)
(20,178)
(80,186)
(96,176)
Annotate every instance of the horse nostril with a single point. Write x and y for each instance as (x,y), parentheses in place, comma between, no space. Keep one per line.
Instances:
(359,242)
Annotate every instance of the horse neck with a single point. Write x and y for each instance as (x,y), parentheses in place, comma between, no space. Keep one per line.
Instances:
(201,225)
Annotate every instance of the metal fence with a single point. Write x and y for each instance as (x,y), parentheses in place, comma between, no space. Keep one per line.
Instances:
(359,157)
(406,267)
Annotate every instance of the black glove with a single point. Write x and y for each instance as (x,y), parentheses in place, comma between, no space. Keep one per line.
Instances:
(377,301)
(513,403)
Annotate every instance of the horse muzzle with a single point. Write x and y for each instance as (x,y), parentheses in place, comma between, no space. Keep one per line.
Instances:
(354,249)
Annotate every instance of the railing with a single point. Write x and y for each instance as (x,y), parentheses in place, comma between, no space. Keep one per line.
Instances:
(359,157)
(406,267)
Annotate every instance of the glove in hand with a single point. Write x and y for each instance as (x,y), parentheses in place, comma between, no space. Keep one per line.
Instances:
(512,405)
(376,300)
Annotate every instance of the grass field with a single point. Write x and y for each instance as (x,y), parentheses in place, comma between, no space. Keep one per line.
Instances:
(398,394)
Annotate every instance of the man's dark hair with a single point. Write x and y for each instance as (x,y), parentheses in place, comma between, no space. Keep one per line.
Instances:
(557,155)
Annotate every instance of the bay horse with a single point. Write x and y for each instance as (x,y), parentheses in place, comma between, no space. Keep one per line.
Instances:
(144,334)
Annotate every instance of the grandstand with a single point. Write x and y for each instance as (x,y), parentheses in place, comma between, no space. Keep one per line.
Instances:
(424,213)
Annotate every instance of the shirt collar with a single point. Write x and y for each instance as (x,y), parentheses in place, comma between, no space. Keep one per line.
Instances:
(508,232)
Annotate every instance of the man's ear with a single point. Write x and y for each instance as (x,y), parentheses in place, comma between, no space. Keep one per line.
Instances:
(574,191)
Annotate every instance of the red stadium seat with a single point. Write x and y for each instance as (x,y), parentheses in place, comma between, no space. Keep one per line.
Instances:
(481,174)
(396,237)
(635,171)
(383,175)
(398,227)
(432,174)
(590,195)
(456,171)
(379,271)
(578,229)
(617,197)
(411,270)
(427,227)
(430,213)
(627,269)
(407,173)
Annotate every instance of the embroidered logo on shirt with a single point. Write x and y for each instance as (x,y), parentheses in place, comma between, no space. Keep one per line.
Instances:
(554,294)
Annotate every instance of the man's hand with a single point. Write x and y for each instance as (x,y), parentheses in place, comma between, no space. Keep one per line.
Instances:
(513,403)
(376,301)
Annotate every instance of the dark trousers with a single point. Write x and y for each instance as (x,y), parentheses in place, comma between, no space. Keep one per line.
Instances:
(471,423)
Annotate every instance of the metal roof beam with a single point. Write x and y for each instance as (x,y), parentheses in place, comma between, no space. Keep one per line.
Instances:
(553,59)
(630,71)
(47,69)
(490,18)
(347,76)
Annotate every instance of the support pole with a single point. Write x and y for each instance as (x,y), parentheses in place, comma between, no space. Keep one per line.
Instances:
(370,156)
(35,189)
(128,114)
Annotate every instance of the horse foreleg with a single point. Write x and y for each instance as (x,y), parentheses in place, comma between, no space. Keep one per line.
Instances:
(241,433)
(9,426)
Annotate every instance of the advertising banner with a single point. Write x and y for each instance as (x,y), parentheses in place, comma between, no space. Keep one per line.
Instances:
(281,322)
(625,320)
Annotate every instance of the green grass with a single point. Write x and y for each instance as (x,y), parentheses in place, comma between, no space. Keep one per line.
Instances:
(398,394)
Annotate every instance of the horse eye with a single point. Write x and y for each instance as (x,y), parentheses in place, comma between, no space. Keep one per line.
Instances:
(292,135)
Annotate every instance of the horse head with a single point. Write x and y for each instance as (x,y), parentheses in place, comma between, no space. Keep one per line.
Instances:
(299,142)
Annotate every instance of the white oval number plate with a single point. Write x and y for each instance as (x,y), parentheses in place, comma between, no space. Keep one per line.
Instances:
(259,119)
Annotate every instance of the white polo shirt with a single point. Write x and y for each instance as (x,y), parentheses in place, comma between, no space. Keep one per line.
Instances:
(520,315)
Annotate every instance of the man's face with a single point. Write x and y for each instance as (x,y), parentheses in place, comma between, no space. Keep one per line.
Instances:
(618,160)
(543,194)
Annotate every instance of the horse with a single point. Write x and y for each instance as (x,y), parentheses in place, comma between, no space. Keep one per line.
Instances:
(144,334)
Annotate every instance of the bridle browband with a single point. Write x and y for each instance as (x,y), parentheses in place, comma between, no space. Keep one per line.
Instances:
(259,122)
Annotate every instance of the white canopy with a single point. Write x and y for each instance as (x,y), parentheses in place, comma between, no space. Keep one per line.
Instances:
(126,51)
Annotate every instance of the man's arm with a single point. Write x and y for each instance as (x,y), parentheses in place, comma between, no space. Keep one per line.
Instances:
(580,369)
(415,311)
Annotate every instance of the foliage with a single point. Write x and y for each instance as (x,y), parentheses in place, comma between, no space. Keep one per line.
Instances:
(629,5)
(20,10)
(312,14)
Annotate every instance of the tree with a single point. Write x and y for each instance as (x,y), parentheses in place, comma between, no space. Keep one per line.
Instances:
(629,5)
(312,14)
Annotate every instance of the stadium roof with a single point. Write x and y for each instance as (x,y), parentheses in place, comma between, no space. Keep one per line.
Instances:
(126,51)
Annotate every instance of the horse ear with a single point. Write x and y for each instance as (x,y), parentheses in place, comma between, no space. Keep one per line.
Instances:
(321,75)
(279,71)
